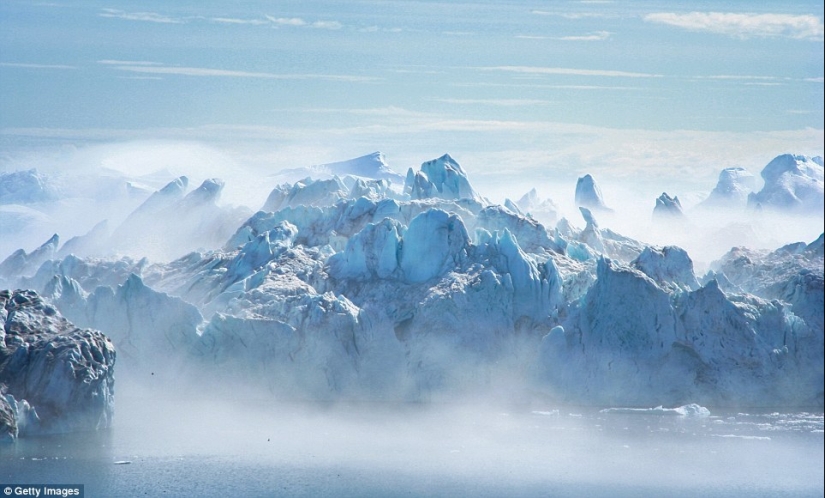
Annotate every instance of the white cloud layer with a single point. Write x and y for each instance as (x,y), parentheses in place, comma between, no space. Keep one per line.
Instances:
(145,67)
(570,71)
(597,36)
(35,66)
(139,16)
(801,27)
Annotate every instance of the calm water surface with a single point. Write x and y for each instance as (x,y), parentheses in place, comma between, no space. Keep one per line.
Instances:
(212,448)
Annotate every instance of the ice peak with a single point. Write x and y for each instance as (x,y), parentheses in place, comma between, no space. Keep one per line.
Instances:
(792,183)
(732,188)
(667,207)
(588,194)
(442,177)
(791,163)
(209,192)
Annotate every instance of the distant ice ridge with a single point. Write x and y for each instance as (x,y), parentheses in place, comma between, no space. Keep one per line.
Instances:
(345,288)
(26,187)
(371,166)
(543,210)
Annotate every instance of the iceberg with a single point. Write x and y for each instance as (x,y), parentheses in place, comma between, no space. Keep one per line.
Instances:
(731,190)
(171,222)
(667,208)
(793,183)
(21,263)
(443,178)
(589,195)
(543,210)
(346,288)
(26,187)
(54,377)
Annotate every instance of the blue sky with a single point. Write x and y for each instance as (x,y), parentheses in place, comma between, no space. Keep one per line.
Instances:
(543,88)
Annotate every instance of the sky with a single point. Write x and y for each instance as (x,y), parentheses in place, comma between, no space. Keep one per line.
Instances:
(520,92)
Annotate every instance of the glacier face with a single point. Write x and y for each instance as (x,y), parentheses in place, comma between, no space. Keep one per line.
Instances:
(346,287)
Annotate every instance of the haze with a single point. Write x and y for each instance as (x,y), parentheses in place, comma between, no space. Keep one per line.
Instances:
(648,98)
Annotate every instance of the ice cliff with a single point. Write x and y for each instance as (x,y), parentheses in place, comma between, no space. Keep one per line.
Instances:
(346,288)
(54,377)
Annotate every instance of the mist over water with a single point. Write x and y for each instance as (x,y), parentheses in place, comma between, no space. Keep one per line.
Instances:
(201,445)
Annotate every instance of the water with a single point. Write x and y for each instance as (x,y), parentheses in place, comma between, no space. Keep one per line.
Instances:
(213,448)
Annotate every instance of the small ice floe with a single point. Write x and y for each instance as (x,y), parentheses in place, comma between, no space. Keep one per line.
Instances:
(123,462)
(545,413)
(737,436)
(691,410)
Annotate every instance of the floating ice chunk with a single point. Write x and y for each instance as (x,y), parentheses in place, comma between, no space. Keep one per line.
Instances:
(689,410)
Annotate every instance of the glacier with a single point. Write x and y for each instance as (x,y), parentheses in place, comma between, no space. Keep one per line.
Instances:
(356,287)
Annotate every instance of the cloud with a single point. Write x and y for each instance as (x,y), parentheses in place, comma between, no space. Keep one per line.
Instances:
(112,62)
(286,21)
(542,85)
(800,27)
(231,20)
(569,71)
(575,15)
(153,68)
(495,102)
(302,23)
(597,36)
(327,25)
(741,77)
(36,66)
(139,16)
